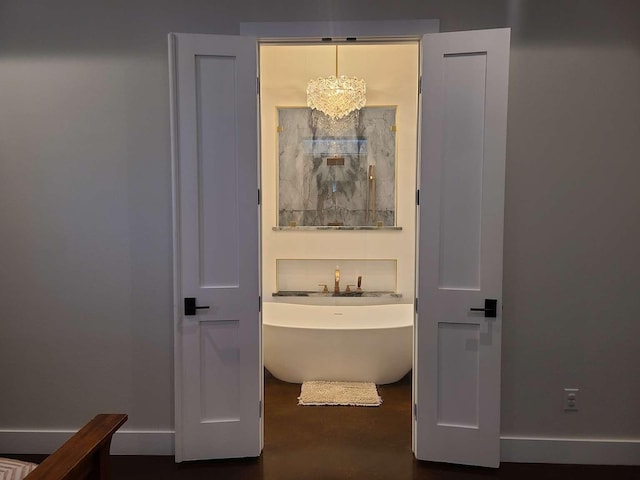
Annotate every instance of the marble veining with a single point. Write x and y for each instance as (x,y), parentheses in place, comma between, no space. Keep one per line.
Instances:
(312,192)
(302,293)
(342,227)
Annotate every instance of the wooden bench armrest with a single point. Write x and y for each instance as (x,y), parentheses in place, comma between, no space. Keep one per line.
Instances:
(84,455)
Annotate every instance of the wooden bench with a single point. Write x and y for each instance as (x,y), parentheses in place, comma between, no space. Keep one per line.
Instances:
(85,455)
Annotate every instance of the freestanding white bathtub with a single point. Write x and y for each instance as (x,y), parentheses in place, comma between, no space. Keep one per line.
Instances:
(363,343)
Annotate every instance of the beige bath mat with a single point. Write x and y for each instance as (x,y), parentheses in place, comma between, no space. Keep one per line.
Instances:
(359,394)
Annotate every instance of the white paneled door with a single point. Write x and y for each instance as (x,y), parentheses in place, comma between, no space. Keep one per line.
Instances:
(216,216)
(462,169)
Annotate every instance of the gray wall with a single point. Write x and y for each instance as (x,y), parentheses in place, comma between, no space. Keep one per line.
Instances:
(85,204)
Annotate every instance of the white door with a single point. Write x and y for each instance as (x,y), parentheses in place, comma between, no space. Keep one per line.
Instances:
(457,366)
(218,374)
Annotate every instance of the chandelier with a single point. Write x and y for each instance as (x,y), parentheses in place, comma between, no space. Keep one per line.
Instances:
(324,125)
(336,96)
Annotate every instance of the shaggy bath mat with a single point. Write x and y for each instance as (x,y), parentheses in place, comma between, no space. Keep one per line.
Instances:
(359,394)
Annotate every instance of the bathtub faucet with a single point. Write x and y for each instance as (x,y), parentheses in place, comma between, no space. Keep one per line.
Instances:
(359,290)
(336,288)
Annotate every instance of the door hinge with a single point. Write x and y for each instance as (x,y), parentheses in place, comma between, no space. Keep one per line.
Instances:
(416,303)
(260,408)
(259,303)
(420,84)
(418,197)
(415,411)
(258,85)
(259,197)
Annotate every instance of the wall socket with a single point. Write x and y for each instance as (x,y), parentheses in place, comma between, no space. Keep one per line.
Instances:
(571,399)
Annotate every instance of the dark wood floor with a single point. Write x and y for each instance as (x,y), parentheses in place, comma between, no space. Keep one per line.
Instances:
(326,443)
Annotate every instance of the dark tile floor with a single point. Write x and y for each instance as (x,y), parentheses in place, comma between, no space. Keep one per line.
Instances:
(326,443)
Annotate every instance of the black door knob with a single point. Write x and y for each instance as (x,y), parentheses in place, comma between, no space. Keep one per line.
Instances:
(490,308)
(190,306)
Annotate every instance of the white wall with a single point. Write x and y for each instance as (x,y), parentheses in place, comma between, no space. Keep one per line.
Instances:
(85,275)
(85,205)
(391,73)
(572,285)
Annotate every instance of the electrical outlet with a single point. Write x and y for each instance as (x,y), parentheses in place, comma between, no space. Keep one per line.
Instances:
(571,399)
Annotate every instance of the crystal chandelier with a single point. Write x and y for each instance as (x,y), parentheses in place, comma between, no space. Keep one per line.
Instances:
(336,96)
(324,125)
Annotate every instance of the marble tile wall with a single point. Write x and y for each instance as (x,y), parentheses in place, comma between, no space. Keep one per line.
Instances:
(313,193)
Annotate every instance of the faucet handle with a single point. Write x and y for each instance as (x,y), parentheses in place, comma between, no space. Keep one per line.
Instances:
(348,289)
(325,289)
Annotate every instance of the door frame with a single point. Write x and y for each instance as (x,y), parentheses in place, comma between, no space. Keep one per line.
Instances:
(373,31)
(317,31)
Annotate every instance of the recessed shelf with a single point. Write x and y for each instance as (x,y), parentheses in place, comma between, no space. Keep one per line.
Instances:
(307,274)
(331,227)
(302,293)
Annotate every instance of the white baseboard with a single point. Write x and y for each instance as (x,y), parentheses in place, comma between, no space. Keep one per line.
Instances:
(585,451)
(125,442)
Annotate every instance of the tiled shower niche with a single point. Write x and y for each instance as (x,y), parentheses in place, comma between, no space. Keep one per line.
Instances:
(337,173)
